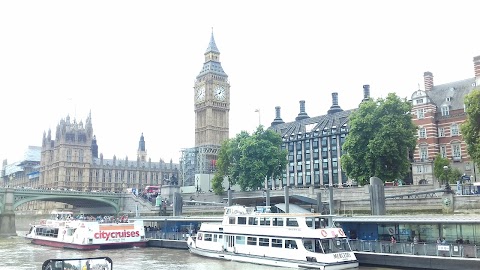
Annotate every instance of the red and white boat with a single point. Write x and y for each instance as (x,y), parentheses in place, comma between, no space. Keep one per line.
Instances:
(87,235)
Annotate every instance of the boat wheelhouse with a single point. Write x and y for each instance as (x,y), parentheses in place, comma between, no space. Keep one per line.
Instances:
(258,236)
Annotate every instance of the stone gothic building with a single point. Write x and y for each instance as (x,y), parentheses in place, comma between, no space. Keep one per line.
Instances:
(70,160)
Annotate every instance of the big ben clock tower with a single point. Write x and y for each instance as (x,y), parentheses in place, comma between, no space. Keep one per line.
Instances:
(212,100)
(212,105)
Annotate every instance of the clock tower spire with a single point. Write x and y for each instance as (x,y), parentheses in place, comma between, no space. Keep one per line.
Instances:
(211,105)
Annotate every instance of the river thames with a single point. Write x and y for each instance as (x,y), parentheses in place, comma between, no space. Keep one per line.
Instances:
(18,253)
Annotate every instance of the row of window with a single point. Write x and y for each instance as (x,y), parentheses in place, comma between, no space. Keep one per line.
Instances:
(254,241)
(444,109)
(324,132)
(455,147)
(454,131)
(311,222)
(76,175)
(48,232)
(314,143)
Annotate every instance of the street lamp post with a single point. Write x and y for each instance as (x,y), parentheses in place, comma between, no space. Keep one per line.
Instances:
(448,189)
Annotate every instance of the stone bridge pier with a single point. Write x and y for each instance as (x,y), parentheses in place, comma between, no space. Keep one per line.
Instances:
(7,215)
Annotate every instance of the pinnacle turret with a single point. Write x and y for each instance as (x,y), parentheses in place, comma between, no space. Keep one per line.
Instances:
(212,47)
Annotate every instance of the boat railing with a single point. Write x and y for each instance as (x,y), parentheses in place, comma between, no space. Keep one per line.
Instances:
(420,249)
(166,235)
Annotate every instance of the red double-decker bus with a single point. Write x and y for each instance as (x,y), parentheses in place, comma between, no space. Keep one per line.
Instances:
(152,189)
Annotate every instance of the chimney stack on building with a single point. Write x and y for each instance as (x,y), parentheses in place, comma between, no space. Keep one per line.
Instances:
(366,92)
(334,99)
(476,66)
(302,114)
(278,119)
(428,80)
(335,108)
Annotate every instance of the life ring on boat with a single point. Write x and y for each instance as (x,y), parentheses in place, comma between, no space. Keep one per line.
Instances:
(199,237)
(323,233)
(341,232)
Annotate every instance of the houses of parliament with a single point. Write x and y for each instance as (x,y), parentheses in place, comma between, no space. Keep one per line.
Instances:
(70,160)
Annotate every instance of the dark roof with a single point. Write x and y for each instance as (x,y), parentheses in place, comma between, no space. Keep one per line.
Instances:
(452,93)
(312,124)
(212,67)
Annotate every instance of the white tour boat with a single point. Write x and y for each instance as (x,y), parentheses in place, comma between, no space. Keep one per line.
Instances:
(86,234)
(304,240)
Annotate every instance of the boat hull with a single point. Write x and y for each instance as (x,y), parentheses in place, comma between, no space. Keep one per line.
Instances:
(58,244)
(271,261)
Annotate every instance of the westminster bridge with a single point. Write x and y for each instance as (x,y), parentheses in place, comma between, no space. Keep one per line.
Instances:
(12,198)
(346,201)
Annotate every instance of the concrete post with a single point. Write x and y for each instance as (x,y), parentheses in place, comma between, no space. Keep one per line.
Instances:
(319,202)
(177,204)
(229,197)
(7,216)
(287,200)
(330,202)
(267,197)
(377,196)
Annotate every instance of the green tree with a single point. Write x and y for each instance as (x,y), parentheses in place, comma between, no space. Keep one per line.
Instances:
(471,127)
(444,172)
(439,170)
(248,159)
(381,134)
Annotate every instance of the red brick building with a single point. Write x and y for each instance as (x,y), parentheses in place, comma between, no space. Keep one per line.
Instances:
(438,111)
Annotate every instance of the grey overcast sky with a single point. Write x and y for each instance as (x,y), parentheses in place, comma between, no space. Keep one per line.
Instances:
(134,63)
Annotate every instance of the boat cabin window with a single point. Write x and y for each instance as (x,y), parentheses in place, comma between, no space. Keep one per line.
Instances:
(231,220)
(242,220)
(252,241)
(264,242)
(240,240)
(327,245)
(277,222)
(315,222)
(313,245)
(291,244)
(215,237)
(207,237)
(49,232)
(265,221)
(252,221)
(292,222)
(277,242)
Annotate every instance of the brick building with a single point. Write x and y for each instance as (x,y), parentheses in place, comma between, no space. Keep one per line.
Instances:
(439,111)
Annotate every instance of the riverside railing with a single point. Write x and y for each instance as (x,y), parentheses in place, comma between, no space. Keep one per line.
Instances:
(420,249)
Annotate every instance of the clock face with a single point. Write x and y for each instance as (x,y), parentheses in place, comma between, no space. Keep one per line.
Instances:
(219,92)
(200,95)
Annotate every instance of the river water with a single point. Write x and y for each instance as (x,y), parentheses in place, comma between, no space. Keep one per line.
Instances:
(18,253)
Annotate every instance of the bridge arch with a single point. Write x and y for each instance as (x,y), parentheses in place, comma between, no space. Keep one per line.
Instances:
(67,200)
